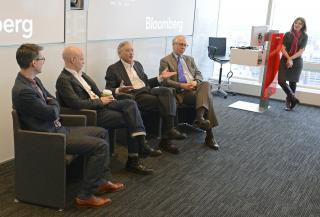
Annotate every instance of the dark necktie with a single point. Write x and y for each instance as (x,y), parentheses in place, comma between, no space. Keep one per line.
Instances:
(181,76)
(35,85)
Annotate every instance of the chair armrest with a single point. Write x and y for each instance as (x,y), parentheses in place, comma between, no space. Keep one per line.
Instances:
(73,120)
(90,114)
(35,150)
(39,153)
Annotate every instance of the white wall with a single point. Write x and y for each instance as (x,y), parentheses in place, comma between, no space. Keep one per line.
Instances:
(9,70)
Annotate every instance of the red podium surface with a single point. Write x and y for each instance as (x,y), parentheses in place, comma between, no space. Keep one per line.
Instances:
(269,83)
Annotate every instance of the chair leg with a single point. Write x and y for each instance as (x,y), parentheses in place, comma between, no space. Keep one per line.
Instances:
(223,93)
(220,91)
(112,140)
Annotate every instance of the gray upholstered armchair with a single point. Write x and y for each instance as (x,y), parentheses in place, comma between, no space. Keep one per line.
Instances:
(40,163)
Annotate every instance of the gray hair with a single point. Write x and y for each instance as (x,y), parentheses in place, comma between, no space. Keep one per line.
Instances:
(175,38)
(121,45)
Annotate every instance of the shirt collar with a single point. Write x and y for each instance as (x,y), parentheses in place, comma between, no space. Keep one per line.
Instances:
(74,72)
(127,65)
(176,55)
(32,81)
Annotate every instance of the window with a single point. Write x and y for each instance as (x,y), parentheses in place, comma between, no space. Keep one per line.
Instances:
(310,76)
(235,22)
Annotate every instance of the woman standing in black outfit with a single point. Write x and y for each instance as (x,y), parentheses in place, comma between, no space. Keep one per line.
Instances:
(293,45)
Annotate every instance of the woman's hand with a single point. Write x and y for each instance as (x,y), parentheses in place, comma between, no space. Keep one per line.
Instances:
(289,63)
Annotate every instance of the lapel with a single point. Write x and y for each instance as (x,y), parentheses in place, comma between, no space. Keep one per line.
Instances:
(188,63)
(174,63)
(140,74)
(73,79)
(39,84)
(28,83)
(123,74)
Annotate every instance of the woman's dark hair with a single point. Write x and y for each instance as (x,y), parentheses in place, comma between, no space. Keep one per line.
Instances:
(304,25)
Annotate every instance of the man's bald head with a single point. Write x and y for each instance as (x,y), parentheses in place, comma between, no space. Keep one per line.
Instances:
(73,58)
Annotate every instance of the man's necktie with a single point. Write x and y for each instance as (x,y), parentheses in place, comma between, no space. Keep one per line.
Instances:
(181,76)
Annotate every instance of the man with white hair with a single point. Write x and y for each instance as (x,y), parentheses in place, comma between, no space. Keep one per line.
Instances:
(190,87)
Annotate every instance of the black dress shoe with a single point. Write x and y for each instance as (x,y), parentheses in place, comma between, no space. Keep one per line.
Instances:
(134,165)
(202,124)
(211,143)
(175,134)
(146,151)
(166,145)
(294,102)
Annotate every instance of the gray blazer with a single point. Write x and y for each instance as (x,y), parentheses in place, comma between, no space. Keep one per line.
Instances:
(35,113)
(170,62)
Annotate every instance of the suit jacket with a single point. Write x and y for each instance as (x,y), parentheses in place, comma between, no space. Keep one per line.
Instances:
(170,62)
(35,113)
(72,94)
(117,73)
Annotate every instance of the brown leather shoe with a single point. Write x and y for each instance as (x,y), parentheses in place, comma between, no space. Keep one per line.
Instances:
(92,202)
(109,187)
(211,143)
(202,124)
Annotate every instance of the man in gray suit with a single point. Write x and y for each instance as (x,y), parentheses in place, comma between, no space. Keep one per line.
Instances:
(190,88)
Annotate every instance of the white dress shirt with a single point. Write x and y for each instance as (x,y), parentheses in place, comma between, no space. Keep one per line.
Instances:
(85,85)
(136,82)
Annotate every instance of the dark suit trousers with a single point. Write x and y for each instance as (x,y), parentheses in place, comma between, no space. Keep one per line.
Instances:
(91,143)
(201,97)
(159,99)
(122,114)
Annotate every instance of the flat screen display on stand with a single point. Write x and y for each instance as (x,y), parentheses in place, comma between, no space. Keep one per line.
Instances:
(258,35)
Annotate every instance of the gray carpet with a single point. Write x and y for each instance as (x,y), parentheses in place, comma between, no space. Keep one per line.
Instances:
(268,165)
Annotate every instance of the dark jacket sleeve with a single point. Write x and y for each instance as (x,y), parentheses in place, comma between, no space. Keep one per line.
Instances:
(112,80)
(73,96)
(34,106)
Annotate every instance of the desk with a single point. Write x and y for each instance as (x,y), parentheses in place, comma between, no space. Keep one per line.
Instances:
(247,57)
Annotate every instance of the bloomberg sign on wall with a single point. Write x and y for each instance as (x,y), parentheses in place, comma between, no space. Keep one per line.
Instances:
(34,21)
(22,27)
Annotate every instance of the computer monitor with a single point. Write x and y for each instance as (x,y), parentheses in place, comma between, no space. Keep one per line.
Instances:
(220,44)
(258,35)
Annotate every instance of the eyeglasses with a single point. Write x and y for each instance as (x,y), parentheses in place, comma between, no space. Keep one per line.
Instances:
(182,44)
(42,58)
